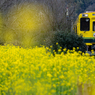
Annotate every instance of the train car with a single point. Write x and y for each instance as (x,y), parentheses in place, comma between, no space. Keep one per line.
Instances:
(85,26)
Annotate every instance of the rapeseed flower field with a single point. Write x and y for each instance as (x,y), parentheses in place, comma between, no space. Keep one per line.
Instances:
(35,71)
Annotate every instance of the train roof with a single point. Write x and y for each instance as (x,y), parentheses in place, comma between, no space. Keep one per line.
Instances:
(88,12)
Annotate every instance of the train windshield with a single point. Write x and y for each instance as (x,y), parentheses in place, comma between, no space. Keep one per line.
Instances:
(93,26)
(84,24)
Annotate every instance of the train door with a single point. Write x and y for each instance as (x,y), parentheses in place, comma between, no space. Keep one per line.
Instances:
(94,26)
(93,29)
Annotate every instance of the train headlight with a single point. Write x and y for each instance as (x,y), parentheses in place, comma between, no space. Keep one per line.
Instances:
(94,35)
(84,15)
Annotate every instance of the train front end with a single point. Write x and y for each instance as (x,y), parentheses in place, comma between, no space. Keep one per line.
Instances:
(85,26)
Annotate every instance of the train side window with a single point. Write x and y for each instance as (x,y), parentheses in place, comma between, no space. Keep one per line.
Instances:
(84,24)
(93,26)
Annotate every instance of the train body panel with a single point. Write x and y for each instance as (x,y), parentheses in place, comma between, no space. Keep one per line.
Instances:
(85,26)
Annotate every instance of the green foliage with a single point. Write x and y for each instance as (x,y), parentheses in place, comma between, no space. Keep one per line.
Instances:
(68,40)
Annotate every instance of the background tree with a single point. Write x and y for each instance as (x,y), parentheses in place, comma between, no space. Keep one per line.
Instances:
(58,20)
(57,7)
(82,5)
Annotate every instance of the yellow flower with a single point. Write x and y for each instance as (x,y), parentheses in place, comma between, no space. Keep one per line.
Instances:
(57,43)
(77,47)
(61,77)
(64,49)
(27,70)
(50,46)
(53,91)
(59,50)
(49,75)
(54,85)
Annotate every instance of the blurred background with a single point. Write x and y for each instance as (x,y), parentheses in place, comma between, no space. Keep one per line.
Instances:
(34,22)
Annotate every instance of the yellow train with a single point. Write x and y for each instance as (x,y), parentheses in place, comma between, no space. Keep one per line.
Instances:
(85,26)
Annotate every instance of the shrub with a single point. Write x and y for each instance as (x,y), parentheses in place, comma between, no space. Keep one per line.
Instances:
(68,40)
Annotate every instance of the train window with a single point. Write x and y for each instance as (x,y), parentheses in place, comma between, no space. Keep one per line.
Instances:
(93,26)
(84,24)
